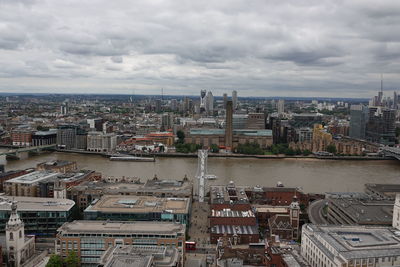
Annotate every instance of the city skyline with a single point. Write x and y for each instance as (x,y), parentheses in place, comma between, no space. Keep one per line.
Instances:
(320,49)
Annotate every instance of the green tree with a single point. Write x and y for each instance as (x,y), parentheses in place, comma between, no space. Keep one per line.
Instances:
(306,152)
(331,149)
(72,259)
(55,261)
(214,148)
(42,128)
(181,136)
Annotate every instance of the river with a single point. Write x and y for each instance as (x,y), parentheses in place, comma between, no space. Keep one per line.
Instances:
(312,175)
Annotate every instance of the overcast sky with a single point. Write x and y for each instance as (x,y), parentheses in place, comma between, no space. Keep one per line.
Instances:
(259,48)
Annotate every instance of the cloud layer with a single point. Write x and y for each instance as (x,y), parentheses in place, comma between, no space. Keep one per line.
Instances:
(260,48)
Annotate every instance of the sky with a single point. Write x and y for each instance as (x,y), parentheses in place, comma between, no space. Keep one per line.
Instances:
(292,48)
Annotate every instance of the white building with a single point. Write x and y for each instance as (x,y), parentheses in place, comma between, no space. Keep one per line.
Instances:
(101,142)
(396,212)
(350,246)
(20,248)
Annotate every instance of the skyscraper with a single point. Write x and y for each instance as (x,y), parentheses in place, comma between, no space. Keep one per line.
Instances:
(228,125)
(234,100)
(281,106)
(203,100)
(358,121)
(209,103)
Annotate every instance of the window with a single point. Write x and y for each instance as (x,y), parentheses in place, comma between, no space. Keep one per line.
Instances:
(11,236)
(20,234)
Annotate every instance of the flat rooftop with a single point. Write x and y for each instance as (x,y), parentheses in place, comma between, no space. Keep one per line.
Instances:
(36,204)
(142,204)
(33,177)
(140,256)
(95,227)
(232,229)
(355,242)
(271,209)
(232,213)
(383,190)
(364,211)
(225,194)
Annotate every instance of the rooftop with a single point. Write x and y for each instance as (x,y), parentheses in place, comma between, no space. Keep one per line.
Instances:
(245,132)
(36,204)
(232,194)
(231,213)
(149,227)
(364,211)
(231,229)
(33,177)
(142,204)
(355,242)
(140,256)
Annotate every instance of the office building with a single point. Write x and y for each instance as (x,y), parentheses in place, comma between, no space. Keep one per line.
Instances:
(210,103)
(41,216)
(27,185)
(234,100)
(381,126)
(66,136)
(360,209)
(229,197)
(101,142)
(281,106)
(95,124)
(86,192)
(90,239)
(358,121)
(144,208)
(339,246)
(21,137)
(141,256)
(44,138)
(203,100)
(225,99)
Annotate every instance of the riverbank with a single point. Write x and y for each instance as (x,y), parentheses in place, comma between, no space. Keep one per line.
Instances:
(229,155)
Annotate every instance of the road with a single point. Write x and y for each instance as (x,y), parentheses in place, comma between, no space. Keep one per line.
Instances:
(315,212)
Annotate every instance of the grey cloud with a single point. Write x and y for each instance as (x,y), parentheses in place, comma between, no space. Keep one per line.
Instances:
(269,47)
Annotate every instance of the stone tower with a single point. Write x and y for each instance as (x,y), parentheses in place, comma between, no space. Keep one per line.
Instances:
(15,237)
(228,125)
(295,216)
(396,213)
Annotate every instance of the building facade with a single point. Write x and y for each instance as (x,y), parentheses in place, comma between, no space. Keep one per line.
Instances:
(90,239)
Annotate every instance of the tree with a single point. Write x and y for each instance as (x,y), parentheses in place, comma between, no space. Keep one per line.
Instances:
(214,148)
(55,261)
(72,259)
(331,149)
(181,136)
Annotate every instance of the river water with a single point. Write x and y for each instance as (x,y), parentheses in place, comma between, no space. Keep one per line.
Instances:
(312,175)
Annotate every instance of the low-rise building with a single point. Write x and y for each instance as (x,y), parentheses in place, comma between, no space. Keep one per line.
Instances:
(346,209)
(44,138)
(141,256)
(90,239)
(86,192)
(144,208)
(229,197)
(338,246)
(27,185)
(61,166)
(41,216)
(382,191)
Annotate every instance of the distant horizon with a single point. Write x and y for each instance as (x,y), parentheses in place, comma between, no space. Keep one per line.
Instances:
(191,96)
